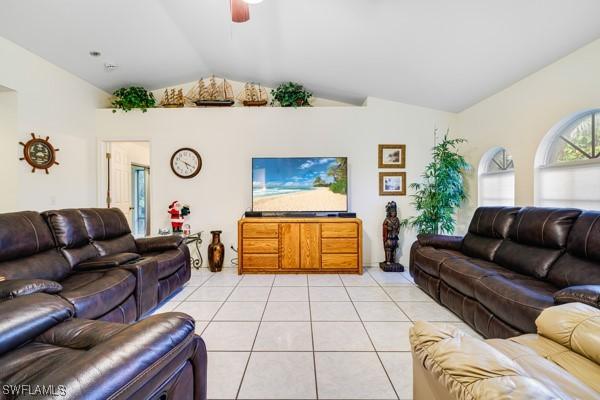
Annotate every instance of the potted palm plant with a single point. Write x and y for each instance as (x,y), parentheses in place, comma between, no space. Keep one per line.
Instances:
(442,191)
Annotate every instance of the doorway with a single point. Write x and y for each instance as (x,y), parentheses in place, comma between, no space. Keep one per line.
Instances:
(140,200)
(125,181)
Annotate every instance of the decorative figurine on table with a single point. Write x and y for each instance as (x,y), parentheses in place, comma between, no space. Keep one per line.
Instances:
(177,213)
(391,228)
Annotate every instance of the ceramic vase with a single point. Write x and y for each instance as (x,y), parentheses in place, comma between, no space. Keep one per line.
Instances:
(216,252)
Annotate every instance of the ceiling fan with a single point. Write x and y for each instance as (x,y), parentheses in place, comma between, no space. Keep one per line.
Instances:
(240,12)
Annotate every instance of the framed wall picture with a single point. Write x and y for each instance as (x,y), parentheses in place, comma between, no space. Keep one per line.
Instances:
(392,183)
(392,156)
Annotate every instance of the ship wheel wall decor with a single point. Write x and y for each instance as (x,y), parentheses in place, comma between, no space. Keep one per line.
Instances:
(39,153)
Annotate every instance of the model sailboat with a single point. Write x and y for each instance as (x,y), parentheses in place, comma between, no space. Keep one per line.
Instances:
(253,96)
(211,94)
(173,98)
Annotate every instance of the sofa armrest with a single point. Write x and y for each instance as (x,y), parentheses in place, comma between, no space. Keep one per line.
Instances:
(146,284)
(158,243)
(468,368)
(586,294)
(105,262)
(441,241)
(25,317)
(122,362)
(23,287)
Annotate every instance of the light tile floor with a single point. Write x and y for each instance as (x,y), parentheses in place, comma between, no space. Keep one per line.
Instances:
(307,337)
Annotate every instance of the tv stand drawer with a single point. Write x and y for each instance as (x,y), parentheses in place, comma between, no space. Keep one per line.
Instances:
(339,230)
(258,230)
(260,246)
(260,261)
(339,245)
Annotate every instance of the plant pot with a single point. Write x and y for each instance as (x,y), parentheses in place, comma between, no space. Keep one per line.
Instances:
(299,102)
(216,252)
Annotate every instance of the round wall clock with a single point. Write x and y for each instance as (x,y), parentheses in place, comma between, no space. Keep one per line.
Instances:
(186,163)
(39,153)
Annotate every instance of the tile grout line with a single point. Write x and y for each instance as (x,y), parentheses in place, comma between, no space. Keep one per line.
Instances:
(255,337)
(312,339)
(369,336)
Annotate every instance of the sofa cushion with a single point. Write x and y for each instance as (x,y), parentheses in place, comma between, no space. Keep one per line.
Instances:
(71,235)
(517,301)
(28,250)
(96,293)
(49,265)
(429,259)
(545,370)
(570,270)
(109,230)
(581,264)
(464,274)
(574,326)
(104,223)
(543,227)
(488,227)
(23,234)
(529,260)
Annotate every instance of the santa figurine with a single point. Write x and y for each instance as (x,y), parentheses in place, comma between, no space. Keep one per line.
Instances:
(176,217)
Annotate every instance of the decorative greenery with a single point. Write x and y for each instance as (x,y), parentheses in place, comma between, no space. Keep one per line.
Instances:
(291,94)
(442,190)
(133,97)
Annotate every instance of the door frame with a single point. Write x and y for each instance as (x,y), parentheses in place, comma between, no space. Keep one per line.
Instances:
(102,166)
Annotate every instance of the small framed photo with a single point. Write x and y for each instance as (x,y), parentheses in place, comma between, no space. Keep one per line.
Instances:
(392,183)
(392,156)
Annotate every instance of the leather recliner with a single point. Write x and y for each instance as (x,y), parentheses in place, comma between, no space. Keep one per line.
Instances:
(110,234)
(560,361)
(28,252)
(46,354)
(511,265)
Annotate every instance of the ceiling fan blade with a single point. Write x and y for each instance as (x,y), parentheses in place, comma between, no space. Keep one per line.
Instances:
(240,11)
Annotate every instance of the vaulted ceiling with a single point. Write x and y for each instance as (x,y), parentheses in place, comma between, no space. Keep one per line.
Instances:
(435,53)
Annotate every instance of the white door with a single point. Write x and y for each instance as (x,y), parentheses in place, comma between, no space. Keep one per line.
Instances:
(120,180)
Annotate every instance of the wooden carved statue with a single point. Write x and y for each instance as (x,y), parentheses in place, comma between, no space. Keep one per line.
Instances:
(391,229)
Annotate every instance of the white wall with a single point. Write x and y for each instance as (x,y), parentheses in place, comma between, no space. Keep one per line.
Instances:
(227,139)
(518,117)
(50,102)
(8,149)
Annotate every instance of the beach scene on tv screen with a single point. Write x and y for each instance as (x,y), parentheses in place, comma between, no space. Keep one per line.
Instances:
(299,184)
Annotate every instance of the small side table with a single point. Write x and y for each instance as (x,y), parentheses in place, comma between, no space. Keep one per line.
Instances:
(196,240)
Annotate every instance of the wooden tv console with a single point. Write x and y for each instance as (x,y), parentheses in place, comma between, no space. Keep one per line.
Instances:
(300,245)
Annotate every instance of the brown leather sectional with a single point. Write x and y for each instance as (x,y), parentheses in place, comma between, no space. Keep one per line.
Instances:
(71,281)
(102,270)
(511,265)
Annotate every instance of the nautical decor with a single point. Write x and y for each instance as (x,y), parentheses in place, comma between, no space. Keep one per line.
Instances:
(39,153)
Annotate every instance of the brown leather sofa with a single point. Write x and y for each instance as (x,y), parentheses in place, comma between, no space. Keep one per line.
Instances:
(46,354)
(85,264)
(93,261)
(561,361)
(511,265)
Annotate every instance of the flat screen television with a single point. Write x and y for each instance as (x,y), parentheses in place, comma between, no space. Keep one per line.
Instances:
(300,184)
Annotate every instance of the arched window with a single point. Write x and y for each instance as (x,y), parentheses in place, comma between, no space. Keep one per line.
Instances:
(497,178)
(568,163)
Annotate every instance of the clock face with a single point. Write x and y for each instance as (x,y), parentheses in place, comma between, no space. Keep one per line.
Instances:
(39,153)
(186,163)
